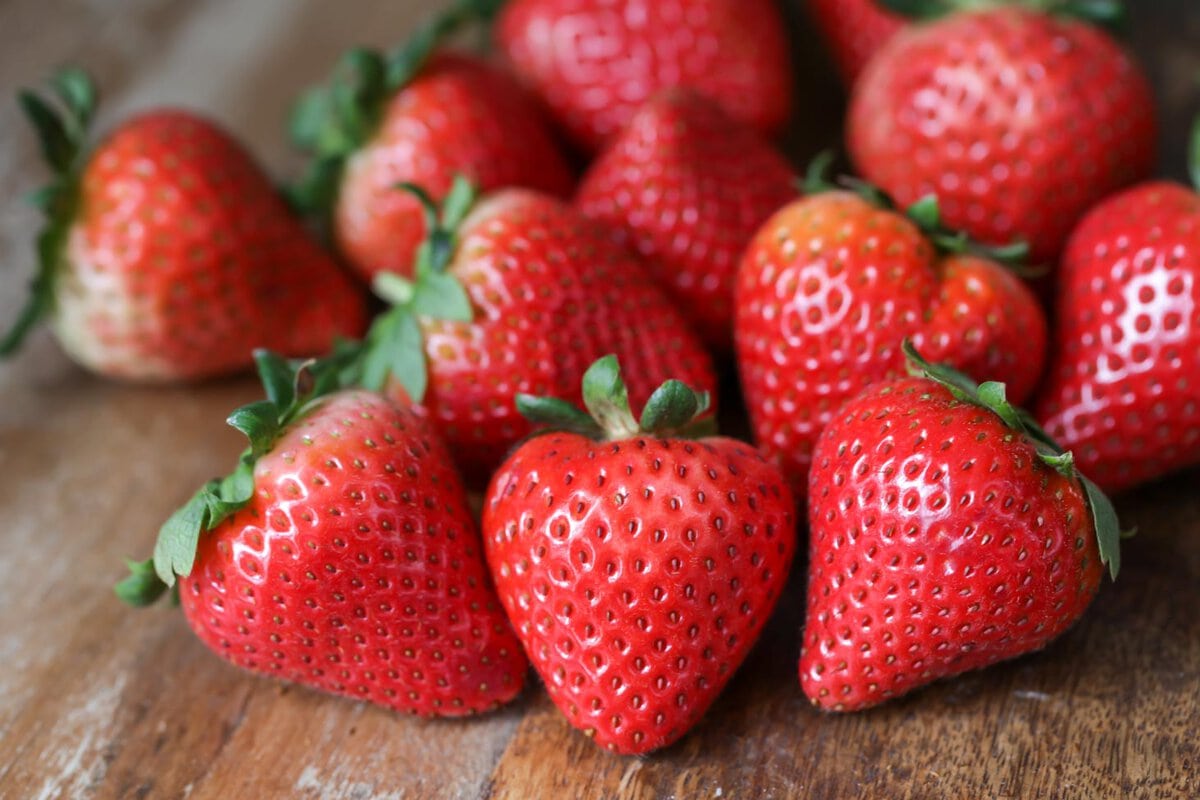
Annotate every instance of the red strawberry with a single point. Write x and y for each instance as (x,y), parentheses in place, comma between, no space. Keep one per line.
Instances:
(947,533)
(419,118)
(1018,120)
(341,555)
(638,567)
(829,288)
(1124,385)
(686,186)
(167,254)
(521,295)
(854,30)
(595,62)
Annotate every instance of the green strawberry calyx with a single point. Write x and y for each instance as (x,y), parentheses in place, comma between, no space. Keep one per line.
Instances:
(674,410)
(394,346)
(1194,155)
(1106,13)
(991,396)
(332,121)
(61,118)
(925,214)
(291,389)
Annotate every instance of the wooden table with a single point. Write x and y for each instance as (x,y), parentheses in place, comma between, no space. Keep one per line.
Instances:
(97,700)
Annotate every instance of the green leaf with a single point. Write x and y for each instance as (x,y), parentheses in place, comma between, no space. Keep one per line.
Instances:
(259,421)
(959,384)
(817,179)
(459,202)
(175,550)
(142,586)
(607,399)
(393,288)
(1108,527)
(1194,154)
(57,146)
(78,93)
(309,117)
(925,213)
(994,395)
(395,347)
(672,406)
(1063,463)
(278,378)
(441,296)
(557,414)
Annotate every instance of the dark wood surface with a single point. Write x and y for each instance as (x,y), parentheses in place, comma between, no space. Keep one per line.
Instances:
(100,701)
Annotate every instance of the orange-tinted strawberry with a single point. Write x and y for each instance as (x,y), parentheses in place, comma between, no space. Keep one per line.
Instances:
(419,117)
(595,62)
(1123,389)
(1018,120)
(341,555)
(854,30)
(519,293)
(831,286)
(167,254)
(686,186)
(947,532)
(638,566)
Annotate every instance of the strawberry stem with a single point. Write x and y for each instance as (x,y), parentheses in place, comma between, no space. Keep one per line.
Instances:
(61,120)
(673,410)
(992,396)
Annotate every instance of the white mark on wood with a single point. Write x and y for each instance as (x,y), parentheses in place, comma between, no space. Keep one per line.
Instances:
(1027,694)
(76,762)
(338,785)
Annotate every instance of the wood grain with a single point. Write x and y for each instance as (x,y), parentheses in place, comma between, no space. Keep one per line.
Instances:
(100,701)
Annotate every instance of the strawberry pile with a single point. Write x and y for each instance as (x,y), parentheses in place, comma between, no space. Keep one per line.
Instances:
(569,242)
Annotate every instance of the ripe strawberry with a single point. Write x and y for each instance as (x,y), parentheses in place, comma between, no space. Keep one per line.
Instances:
(595,62)
(519,295)
(948,532)
(686,186)
(340,555)
(419,117)
(1020,121)
(166,253)
(638,567)
(831,285)
(854,30)
(1123,389)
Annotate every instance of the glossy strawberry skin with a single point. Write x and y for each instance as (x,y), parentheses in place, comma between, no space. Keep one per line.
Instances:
(595,62)
(637,573)
(182,259)
(460,115)
(356,569)
(939,543)
(686,186)
(830,287)
(551,293)
(1017,120)
(1123,389)
(854,31)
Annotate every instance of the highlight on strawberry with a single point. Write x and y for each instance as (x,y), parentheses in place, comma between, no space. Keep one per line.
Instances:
(166,254)
(831,285)
(637,557)
(339,554)
(947,532)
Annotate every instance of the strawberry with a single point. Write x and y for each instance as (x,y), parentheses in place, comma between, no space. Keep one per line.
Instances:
(595,62)
(517,294)
(947,533)
(340,555)
(854,30)
(637,566)
(166,253)
(1020,121)
(420,116)
(686,186)
(1123,389)
(831,285)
